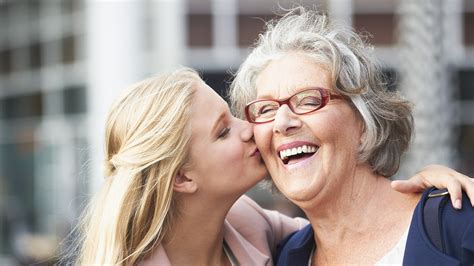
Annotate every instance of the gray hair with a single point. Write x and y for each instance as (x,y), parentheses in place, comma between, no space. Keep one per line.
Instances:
(354,71)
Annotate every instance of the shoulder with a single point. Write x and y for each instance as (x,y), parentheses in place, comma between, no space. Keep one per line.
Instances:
(440,232)
(248,219)
(458,229)
(244,209)
(455,225)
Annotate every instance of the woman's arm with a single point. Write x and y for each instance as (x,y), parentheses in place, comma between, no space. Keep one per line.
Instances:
(439,176)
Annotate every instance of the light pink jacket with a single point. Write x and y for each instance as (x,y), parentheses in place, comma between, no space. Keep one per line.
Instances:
(251,232)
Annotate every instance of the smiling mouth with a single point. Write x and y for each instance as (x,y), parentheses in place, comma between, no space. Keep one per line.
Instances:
(295,154)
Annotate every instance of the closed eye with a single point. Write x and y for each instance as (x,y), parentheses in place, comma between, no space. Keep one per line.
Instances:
(266,109)
(224,132)
(310,101)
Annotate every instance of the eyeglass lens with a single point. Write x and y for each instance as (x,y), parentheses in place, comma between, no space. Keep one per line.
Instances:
(300,103)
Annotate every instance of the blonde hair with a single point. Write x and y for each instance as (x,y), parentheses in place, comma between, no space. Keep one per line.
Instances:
(147,139)
(354,71)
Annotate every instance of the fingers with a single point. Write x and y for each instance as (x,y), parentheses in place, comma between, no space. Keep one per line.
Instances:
(407,186)
(441,176)
(455,193)
(420,181)
(454,181)
(467,186)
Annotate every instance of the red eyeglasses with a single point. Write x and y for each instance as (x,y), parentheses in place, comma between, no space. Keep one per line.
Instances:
(303,102)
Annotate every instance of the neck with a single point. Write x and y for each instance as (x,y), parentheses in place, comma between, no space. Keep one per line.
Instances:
(346,219)
(197,235)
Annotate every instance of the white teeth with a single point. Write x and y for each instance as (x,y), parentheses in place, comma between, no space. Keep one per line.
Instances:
(284,154)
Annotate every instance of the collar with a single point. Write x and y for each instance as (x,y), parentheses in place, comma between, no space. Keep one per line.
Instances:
(158,257)
(245,252)
(297,249)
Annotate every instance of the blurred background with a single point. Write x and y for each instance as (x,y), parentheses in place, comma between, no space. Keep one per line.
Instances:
(62,62)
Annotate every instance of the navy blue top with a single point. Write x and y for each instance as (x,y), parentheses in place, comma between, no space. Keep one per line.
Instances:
(457,231)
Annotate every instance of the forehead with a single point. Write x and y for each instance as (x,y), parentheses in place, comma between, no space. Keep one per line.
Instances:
(207,107)
(205,96)
(291,73)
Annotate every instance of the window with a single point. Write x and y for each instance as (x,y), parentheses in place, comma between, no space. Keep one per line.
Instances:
(468,28)
(5,61)
(380,27)
(69,6)
(200,30)
(23,106)
(74,100)
(36,59)
(68,46)
(466,84)
(250,26)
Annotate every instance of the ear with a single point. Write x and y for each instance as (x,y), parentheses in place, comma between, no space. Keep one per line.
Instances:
(184,184)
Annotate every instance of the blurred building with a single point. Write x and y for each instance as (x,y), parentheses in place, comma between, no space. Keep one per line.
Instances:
(63,62)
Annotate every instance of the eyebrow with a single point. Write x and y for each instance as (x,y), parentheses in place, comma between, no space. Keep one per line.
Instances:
(294,91)
(290,91)
(265,96)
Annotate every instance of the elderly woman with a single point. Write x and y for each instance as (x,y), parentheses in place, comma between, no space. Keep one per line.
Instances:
(330,134)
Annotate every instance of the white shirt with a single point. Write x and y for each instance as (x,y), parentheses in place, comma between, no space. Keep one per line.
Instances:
(395,255)
(392,257)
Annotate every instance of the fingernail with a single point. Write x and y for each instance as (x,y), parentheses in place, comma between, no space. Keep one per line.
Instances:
(457,204)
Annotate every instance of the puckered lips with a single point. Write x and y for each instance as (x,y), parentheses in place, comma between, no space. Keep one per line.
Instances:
(296,151)
(254,152)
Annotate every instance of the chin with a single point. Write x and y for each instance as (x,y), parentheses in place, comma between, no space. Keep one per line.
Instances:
(301,192)
(296,197)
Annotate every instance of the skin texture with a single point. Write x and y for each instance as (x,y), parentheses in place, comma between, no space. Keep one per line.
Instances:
(330,185)
(223,160)
(335,129)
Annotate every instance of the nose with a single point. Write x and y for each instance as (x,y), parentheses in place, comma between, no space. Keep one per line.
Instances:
(246,130)
(285,121)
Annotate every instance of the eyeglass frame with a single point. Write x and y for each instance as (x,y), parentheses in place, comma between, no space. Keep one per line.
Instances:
(326,96)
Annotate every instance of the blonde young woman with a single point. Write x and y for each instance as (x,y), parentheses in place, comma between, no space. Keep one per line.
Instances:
(177,166)
(177,160)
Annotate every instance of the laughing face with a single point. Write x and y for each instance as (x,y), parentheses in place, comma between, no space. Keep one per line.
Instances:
(309,156)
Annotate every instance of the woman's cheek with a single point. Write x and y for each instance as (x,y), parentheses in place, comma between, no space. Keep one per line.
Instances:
(235,149)
(262,139)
